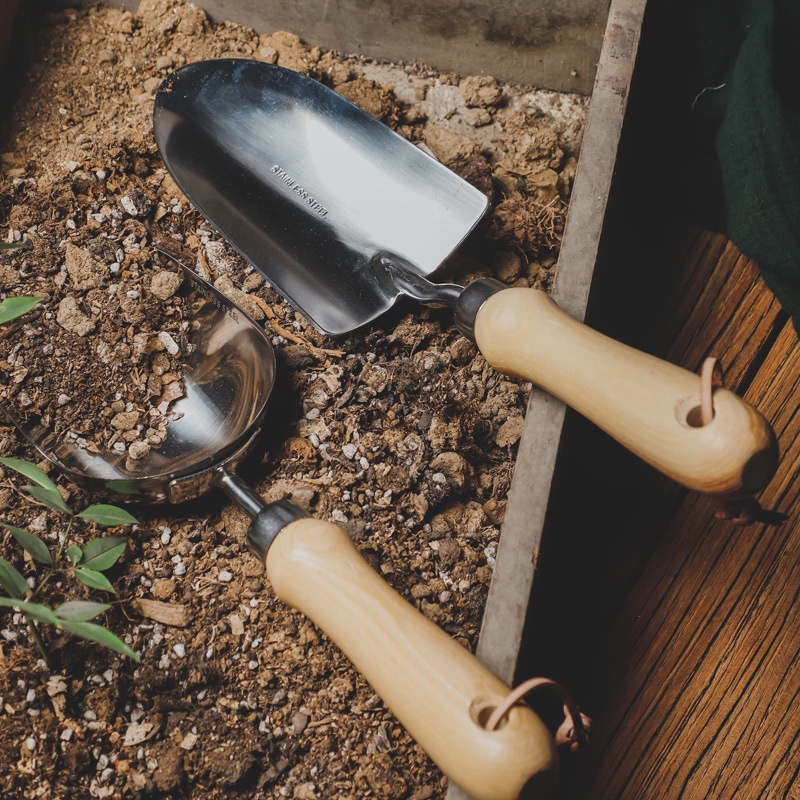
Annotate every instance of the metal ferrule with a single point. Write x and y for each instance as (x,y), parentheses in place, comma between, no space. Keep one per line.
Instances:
(268,519)
(471,300)
(269,523)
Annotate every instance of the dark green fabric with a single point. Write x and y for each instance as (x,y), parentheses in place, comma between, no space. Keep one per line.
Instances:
(744,80)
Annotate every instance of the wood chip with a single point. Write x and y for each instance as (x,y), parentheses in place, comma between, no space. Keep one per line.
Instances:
(171,614)
(237,626)
(320,352)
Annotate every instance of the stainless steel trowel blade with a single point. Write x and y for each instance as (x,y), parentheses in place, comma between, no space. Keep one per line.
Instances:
(308,187)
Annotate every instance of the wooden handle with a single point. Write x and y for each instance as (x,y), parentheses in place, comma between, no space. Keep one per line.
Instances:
(437,689)
(648,405)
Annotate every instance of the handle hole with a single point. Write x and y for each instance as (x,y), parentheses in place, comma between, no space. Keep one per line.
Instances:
(694,417)
(480,712)
(690,413)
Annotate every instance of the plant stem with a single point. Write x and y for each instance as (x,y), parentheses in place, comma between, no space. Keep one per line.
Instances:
(56,561)
(37,637)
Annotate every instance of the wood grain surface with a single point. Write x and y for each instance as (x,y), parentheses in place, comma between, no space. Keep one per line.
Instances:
(702,687)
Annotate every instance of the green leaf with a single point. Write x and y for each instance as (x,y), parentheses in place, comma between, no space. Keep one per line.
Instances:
(97,633)
(11,580)
(100,554)
(80,610)
(13,307)
(34,610)
(104,514)
(30,471)
(76,626)
(31,544)
(74,554)
(94,579)
(50,497)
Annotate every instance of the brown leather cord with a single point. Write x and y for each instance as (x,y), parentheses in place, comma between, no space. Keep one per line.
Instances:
(710,376)
(573,731)
(745,510)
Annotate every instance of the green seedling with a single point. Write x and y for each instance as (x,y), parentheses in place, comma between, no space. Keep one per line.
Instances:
(87,564)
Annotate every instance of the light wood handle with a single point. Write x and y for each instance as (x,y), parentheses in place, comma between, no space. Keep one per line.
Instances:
(436,688)
(646,404)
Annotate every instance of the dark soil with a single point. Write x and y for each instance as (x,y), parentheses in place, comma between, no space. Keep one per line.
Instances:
(400,433)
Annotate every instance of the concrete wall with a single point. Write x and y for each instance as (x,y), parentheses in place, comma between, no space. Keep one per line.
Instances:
(548,44)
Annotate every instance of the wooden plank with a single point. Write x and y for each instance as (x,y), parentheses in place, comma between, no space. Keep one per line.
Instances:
(722,311)
(549,44)
(702,674)
(507,604)
(520,537)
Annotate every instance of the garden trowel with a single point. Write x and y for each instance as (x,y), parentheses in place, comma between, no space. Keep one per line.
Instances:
(343,216)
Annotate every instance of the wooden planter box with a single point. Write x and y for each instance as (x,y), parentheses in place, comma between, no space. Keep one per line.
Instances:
(509,616)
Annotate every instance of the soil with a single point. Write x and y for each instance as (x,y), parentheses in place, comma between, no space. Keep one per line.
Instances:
(401,433)
(122,332)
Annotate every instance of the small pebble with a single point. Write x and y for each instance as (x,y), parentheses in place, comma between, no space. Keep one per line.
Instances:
(170,345)
(349,451)
(225,576)
(180,650)
(299,722)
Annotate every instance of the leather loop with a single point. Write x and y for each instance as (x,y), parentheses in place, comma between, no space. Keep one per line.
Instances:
(573,731)
(710,376)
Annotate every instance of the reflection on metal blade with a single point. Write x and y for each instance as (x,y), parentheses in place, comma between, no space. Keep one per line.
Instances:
(307,187)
